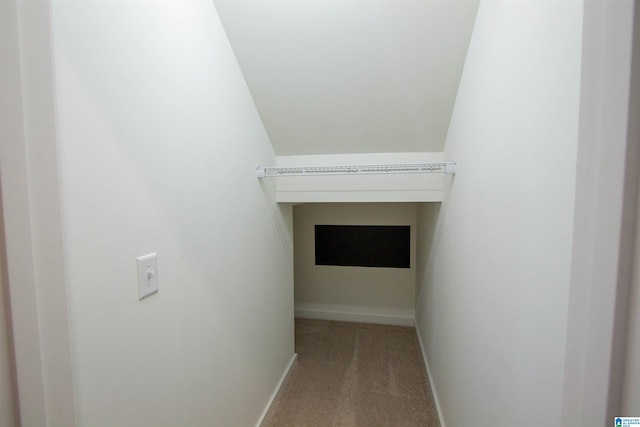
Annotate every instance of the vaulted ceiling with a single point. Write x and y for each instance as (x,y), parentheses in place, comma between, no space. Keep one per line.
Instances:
(351,76)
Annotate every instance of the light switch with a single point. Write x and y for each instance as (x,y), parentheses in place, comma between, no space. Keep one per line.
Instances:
(147,275)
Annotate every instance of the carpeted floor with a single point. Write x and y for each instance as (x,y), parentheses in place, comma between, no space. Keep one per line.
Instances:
(355,374)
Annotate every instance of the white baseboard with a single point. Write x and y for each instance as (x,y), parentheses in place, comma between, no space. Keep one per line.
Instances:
(431,383)
(398,317)
(277,393)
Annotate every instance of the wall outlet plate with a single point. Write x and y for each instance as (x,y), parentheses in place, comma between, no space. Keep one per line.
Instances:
(147,275)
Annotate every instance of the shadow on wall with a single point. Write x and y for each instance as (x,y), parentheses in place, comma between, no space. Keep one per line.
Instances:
(428,214)
(282,215)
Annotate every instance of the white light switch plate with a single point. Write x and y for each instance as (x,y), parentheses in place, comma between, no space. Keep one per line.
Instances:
(147,275)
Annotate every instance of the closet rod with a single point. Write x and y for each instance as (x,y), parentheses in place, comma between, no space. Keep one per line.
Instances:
(436,167)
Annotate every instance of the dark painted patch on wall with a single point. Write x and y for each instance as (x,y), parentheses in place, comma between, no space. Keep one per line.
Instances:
(363,245)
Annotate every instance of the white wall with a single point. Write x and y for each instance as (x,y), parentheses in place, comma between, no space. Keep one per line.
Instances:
(605,216)
(32,217)
(630,404)
(367,294)
(7,400)
(158,139)
(631,387)
(9,77)
(492,309)
(351,76)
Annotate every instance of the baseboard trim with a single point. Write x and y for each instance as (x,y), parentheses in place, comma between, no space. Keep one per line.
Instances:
(431,383)
(355,314)
(277,393)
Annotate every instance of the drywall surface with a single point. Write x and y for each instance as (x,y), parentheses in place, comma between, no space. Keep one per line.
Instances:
(385,295)
(10,128)
(492,309)
(605,215)
(351,76)
(35,271)
(7,416)
(631,392)
(413,187)
(427,215)
(158,141)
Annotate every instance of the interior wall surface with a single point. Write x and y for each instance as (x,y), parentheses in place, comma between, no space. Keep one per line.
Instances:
(605,216)
(629,400)
(371,292)
(8,51)
(158,141)
(630,405)
(34,273)
(492,311)
(7,395)
(427,215)
(631,387)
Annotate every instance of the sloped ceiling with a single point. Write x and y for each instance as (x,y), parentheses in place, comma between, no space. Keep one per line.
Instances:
(351,76)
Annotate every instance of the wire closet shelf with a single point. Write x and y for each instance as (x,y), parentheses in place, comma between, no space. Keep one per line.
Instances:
(434,167)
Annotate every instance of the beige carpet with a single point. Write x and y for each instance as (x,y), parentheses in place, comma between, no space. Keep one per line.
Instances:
(355,374)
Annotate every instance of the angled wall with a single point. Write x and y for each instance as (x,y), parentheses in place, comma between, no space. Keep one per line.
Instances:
(492,306)
(158,137)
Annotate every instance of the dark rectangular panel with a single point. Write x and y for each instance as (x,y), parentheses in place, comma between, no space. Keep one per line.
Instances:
(363,245)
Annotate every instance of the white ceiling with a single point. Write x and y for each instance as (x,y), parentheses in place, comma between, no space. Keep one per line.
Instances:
(351,76)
